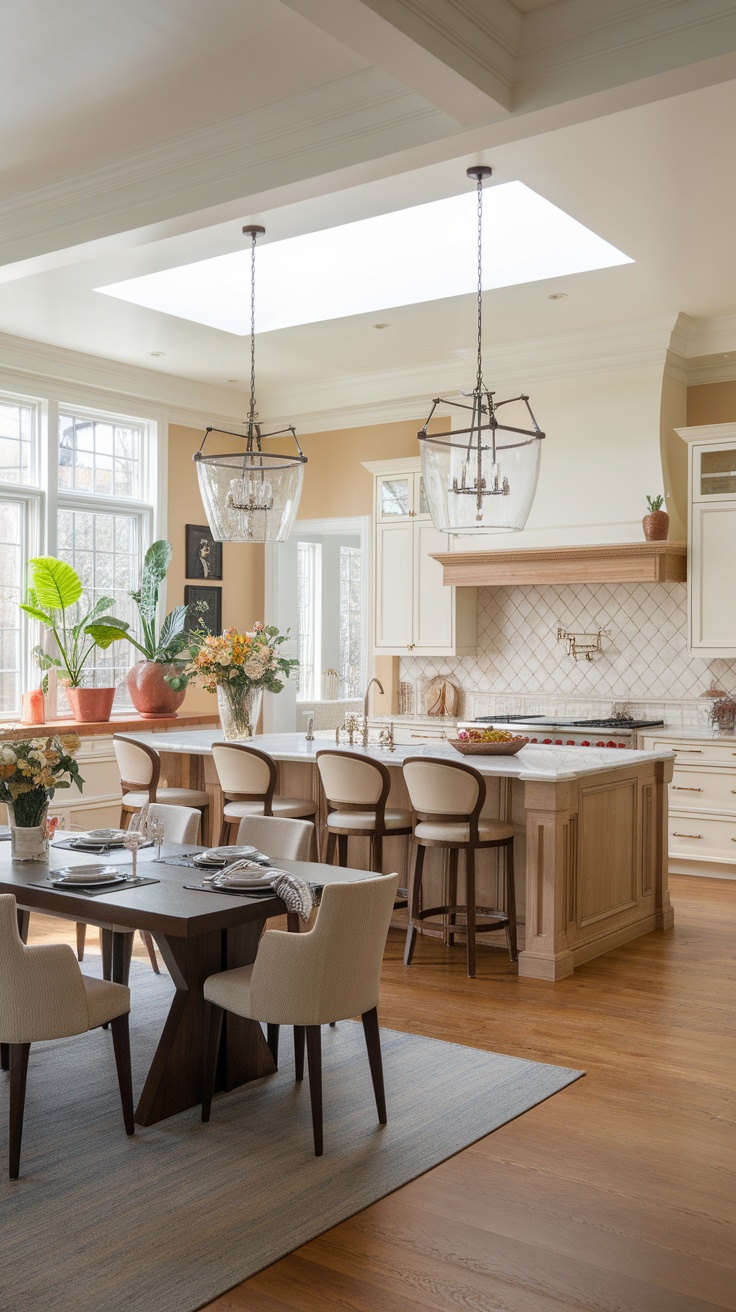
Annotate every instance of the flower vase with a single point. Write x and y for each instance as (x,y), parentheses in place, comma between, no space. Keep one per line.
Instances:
(239,709)
(27,817)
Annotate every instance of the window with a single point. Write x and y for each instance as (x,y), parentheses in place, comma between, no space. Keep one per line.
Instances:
(309,610)
(351,621)
(79,485)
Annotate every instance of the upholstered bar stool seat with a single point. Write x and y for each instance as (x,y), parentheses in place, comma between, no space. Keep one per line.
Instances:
(248,779)
(193,797)
(449,799)
(356,789)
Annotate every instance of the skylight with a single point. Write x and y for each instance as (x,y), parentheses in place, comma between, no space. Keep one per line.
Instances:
(420,254)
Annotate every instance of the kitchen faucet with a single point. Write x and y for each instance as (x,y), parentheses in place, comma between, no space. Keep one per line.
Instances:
(365,708)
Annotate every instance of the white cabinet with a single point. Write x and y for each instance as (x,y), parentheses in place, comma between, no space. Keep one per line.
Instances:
(702,804)
(712,546)
(413,610)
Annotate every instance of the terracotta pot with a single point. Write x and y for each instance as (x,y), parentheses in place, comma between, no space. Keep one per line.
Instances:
(152,697)
(91,704)
(656,526)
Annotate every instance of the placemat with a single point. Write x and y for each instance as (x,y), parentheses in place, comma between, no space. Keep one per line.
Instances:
(91,892)
(232,892)
(185,859)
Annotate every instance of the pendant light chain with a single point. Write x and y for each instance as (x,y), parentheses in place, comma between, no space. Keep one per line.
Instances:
(252,412)
(479,378)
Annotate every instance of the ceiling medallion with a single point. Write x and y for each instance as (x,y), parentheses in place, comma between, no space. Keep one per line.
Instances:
(251,495)
(481,477)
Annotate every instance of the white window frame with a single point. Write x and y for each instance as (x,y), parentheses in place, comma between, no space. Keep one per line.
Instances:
(314,550)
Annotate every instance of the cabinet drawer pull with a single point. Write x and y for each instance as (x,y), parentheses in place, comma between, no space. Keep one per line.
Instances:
(676,835)
(434,736)
(693,751)
(683,788)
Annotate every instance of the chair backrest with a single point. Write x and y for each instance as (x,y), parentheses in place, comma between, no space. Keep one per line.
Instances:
(334,970)
(139,765)
(280,838)
(181,823)
(447,789)
(245,772)
(349,779)
(42,993)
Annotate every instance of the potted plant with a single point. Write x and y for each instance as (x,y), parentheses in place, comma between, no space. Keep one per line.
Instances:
(157,684)
(56,588)
(656,524)
(238,666)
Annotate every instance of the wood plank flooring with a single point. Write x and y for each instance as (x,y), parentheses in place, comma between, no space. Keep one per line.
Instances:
(617,1195)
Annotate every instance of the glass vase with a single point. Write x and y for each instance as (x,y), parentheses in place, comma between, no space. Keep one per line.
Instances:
(239,709)
(27,817)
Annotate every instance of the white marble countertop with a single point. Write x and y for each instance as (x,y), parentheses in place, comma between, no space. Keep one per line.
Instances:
(690,735)
(533,762)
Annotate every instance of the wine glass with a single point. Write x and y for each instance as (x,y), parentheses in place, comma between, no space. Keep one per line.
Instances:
(133,839)
(155,830)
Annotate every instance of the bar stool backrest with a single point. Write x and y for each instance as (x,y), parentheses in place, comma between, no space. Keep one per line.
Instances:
(444,790)
(245,773)
(139,764)
(352,782)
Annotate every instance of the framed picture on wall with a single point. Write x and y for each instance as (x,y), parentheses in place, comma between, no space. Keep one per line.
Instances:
(204,606)
(204,555)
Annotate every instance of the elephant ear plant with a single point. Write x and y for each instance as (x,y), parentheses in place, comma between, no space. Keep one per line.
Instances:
(55,589)
(165,645)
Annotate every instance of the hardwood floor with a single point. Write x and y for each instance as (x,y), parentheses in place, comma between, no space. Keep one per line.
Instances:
(617,1195)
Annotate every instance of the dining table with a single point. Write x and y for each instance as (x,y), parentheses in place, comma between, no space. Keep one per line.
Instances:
(198,931)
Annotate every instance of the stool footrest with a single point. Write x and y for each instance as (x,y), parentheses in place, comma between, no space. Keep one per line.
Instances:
(499,917)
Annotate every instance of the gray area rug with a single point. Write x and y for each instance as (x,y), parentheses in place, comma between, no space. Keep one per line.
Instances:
(181,1212)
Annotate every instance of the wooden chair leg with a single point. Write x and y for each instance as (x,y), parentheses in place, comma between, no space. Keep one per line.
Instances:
(314,1062)
(272,1038)
(330,848)
(377,846)
(18,1053)
(121,1045)
(342,849)
(452,893)
(414,895)
(373,1044)
(299,1051)
(511,903)
(470,909)
(4,1057)
(81,936)
(147,937)
(213,1031)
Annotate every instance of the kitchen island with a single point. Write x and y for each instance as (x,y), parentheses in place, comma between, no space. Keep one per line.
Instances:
(591,833)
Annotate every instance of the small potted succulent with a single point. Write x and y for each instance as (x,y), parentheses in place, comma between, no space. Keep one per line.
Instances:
(56,588)
(157,684)
(656,524)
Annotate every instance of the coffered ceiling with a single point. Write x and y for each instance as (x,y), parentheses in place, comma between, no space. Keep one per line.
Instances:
(141,137)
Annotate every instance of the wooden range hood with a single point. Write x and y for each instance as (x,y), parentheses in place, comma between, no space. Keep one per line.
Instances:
(628,562)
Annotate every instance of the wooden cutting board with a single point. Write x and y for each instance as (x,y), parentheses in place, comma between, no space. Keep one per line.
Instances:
(441,697)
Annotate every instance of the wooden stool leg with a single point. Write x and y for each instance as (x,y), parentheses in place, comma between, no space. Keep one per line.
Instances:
(452,893)
(314,1062)
(470,908)
(19,1053)
(331,845)
(414,900)
(377,845)
(511,903)
(342,849)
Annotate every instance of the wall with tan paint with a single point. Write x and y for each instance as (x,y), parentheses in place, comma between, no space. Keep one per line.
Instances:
(711,403)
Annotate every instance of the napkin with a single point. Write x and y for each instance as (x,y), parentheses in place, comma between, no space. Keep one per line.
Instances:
(298,895)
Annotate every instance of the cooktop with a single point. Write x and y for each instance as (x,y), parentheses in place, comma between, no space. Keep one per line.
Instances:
(553,723)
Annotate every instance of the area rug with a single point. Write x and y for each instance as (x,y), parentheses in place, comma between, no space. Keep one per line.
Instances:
(181,1212)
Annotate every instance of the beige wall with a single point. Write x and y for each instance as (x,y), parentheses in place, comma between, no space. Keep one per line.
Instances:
(335,484)
(242,563)
(711,403)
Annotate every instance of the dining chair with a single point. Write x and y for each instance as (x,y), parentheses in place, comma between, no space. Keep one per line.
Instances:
(330,973)
(44,995)
(181,825)
(289,840)
(448,798)
(248,781)
(140,771)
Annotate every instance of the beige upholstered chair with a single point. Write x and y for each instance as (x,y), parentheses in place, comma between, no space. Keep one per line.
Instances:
(248,781)
(140,769)
(448,797)
(181,825)
(356,790)
(308,980)
(44,995)
(283,839)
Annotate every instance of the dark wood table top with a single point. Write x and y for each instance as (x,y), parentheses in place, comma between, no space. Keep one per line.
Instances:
(167,906)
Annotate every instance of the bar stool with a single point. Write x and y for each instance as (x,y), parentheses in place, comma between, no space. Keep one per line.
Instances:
(448,797)
(356,789)
(140,770)
(248,781)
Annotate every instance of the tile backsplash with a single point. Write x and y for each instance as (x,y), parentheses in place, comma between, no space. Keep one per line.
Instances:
(520,664)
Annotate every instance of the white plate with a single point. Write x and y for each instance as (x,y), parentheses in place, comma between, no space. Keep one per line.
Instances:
(220,856)
(103,835)
(92,877)
(85,841)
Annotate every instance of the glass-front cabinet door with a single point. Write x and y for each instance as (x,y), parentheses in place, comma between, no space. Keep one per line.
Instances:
(714,472)
(401,496)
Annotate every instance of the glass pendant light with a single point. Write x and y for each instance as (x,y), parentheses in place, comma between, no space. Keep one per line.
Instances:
(481,477)
(252,495)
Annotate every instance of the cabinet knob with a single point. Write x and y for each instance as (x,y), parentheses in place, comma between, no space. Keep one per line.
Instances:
(410,646)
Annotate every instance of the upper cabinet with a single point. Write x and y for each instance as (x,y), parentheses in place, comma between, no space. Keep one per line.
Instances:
(712,547)
(414,613)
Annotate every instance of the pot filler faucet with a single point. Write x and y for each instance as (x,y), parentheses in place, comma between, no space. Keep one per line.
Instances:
(365,707)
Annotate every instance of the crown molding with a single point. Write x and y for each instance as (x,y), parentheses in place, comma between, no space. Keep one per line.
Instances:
(364,116)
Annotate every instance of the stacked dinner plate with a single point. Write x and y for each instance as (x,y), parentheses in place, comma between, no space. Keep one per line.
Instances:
(217,857)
